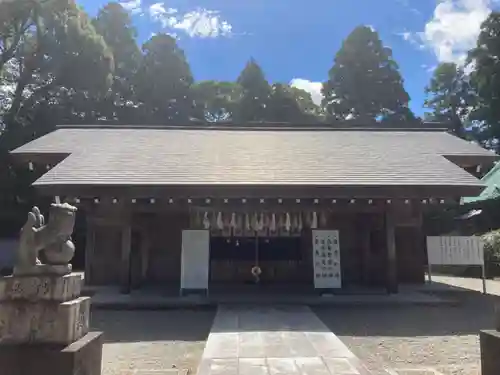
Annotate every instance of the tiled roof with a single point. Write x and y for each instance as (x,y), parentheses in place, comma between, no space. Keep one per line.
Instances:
(264,157)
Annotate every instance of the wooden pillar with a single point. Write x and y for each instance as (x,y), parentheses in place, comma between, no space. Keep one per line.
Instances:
(89,250)
(145,244)
(126,244)
(365,244)
(392,265)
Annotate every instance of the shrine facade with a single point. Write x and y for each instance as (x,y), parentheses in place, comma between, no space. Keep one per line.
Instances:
(195,208)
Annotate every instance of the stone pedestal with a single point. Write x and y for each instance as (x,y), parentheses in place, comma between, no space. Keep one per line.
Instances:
(44,320)
(497,316)
(83,357)
(490,352)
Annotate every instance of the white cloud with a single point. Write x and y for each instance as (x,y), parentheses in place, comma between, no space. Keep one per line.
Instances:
(314,88)
(202,23)
(454,28)
(132,6)
(166,16)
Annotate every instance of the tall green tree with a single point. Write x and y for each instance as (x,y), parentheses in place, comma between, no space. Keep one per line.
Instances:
(283,105)
(218,100)
(486,80)
(254,103)
(364,82)
(114,24)
(450,97)
(163,83)
(50,58)
(311,110)
(44,44)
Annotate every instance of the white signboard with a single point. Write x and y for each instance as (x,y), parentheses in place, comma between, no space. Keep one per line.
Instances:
(195,262)
(326,257)
(455,250)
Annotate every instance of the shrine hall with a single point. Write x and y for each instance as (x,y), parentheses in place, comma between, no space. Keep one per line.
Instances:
(198,207)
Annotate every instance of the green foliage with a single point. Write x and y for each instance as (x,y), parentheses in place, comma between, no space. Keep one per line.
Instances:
(256,94)
(306,104)
(218,100)
(364,82)
(486,77)
(492,245)
(450,97)
(163,83)
(46,44)
(283,105)
(115,25)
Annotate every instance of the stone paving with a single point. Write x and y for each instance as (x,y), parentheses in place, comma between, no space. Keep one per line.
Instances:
(454,283)
(274,341)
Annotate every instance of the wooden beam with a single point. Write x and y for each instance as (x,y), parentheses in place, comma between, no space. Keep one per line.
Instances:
(89,251)
(363,226)
(259,191)
(392,265)
(126,245)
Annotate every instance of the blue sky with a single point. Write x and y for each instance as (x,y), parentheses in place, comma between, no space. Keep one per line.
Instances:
(295,40)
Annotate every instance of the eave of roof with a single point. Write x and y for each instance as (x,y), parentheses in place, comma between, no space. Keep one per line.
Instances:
(269,126)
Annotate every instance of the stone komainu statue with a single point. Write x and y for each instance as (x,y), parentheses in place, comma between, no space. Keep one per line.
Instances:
(54,238)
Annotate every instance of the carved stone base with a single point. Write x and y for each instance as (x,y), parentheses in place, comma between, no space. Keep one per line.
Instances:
(41,288)
(43,269)
(490,352)
(44,322)
(83,357)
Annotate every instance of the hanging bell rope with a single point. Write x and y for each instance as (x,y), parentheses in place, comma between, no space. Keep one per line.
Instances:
(272,225)
(255,222)
(288,223)
(232,224)
(314,221)
(247,223)
(220,223)
(295,222)
(260,225)
(206,221)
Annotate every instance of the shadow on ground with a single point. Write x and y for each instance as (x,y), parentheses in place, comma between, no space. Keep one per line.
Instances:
(473,313)
(167,325)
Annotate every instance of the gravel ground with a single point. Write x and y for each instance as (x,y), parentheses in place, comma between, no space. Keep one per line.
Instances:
(444,338)
(152,340)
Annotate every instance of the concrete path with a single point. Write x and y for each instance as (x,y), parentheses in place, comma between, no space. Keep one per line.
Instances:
(450,283)
(289,340)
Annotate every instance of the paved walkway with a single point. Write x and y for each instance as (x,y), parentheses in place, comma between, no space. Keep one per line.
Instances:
(442,282)
(275,341)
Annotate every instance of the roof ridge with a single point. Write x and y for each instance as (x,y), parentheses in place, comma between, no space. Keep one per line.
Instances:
(262,127)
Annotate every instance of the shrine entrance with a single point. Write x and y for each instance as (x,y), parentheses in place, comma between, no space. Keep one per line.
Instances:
(258,261)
